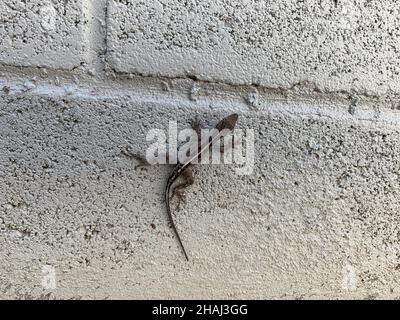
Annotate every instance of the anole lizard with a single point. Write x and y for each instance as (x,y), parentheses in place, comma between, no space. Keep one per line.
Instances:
(224,127)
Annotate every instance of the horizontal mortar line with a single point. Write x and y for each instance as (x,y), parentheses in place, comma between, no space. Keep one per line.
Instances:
(366,115)
(275,89)
(113,75)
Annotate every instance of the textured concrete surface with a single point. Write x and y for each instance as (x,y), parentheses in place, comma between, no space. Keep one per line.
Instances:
(336,45)
(318,218)
(41,33)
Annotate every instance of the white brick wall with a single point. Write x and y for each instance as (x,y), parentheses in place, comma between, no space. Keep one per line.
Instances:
(41,33)
(317,81)
(344,45)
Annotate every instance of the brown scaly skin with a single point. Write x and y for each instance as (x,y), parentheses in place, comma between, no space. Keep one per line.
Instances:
(183,170)
(226,123)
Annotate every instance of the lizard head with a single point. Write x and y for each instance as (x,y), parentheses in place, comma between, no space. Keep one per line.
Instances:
(228,123)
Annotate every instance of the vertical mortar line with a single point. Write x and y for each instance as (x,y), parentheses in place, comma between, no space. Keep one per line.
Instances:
(95,36)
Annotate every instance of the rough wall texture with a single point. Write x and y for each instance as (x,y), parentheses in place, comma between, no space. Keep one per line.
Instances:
(316,80)
(337,45)
(41,33)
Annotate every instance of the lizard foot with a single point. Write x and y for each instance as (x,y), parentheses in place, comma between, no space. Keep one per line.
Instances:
(138,157)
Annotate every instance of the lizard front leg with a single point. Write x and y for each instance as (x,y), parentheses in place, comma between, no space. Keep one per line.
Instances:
(196,126)
(142,162)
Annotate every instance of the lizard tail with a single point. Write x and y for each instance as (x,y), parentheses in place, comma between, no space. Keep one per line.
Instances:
(171,219)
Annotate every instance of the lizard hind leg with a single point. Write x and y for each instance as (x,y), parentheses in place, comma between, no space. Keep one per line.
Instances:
(187,177)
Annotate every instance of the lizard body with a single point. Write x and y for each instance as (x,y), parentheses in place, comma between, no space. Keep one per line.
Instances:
(223,127)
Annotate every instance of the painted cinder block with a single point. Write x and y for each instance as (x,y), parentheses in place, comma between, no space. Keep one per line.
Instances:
(41,33)
(317,217)
(335,45)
